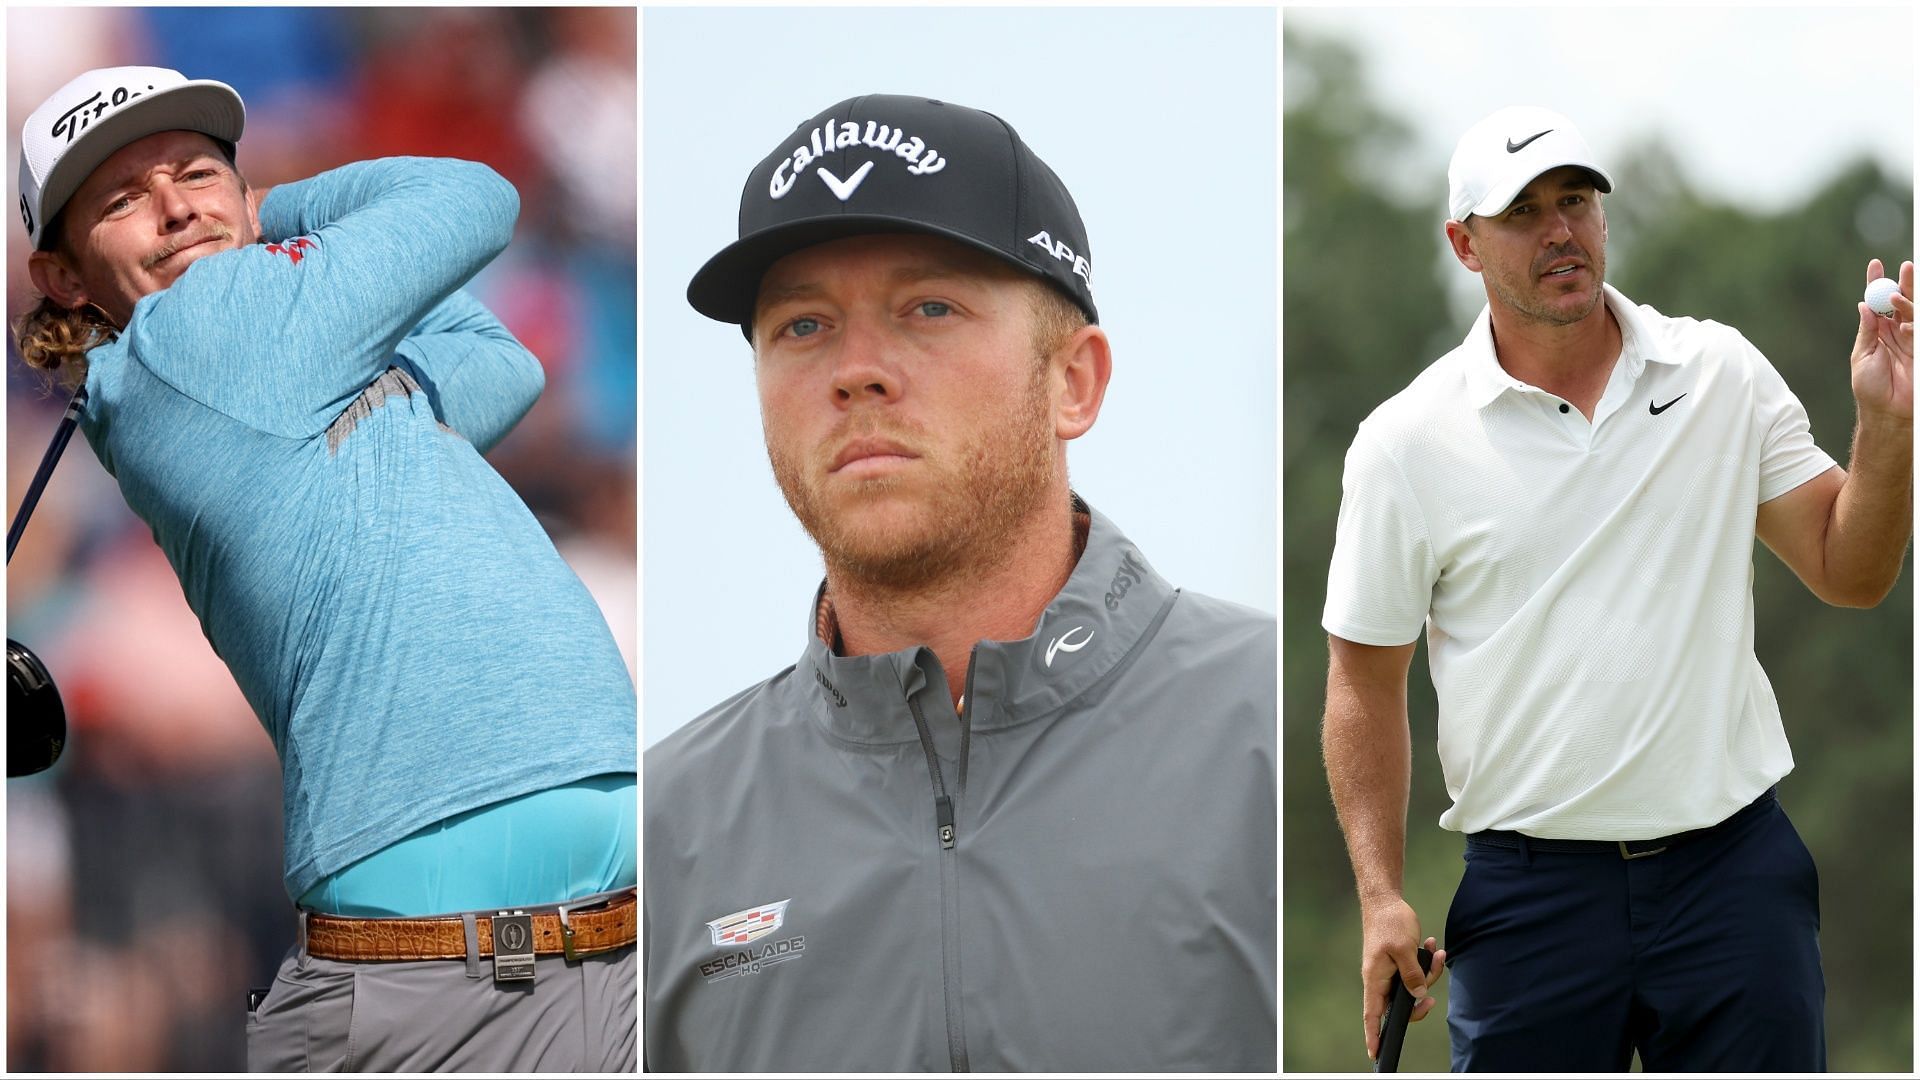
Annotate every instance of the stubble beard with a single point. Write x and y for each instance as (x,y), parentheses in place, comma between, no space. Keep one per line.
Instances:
(1527,303)
(966,518)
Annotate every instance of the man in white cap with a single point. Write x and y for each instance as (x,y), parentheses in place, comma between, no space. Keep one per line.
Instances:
(1568,503)
(294,393)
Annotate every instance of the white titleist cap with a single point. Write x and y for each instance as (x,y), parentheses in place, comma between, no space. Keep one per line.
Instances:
(1503,153)
(86,121)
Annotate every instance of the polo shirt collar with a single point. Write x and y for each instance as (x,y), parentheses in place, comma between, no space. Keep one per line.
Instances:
(1486,380)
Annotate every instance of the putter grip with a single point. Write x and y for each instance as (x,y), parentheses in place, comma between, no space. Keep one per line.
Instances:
(1393,1034)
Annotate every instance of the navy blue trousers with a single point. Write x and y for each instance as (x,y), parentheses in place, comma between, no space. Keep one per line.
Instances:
(1703,957)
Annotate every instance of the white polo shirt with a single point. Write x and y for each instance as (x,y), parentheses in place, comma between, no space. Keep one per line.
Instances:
(1587,589)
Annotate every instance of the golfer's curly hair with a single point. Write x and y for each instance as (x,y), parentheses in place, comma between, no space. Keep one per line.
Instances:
(55,340)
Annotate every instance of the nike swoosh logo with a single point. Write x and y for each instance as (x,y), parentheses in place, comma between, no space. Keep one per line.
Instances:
(1516,147)
(1658,409)
(1061,644)
(843,188)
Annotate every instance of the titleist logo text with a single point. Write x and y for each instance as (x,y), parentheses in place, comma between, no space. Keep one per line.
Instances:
(75,120)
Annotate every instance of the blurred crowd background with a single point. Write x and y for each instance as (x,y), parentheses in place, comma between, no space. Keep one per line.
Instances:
(143,870)
(1788,276)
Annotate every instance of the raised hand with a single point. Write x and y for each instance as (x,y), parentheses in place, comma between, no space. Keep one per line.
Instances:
(1882,358)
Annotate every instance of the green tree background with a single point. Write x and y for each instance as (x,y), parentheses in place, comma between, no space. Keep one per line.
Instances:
(1788,280)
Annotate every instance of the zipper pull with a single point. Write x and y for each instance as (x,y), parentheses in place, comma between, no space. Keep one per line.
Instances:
(943,813)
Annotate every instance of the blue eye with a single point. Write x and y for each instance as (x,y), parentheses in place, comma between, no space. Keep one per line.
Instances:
(935,309)
(804,326)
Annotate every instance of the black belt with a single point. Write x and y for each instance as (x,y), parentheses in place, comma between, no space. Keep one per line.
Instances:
(1626,849)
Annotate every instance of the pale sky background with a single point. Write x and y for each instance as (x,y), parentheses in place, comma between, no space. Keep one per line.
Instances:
(1162,123)
(1760,105)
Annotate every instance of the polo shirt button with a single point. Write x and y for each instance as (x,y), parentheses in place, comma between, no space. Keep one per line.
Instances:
(1564,407)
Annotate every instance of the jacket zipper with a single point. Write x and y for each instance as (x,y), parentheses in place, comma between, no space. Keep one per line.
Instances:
(942,804)
(949,901)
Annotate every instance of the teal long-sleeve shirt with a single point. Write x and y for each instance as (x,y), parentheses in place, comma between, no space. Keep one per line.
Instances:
(300,423)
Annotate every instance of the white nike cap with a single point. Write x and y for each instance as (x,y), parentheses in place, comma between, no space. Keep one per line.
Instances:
(1503,153)
(88,120)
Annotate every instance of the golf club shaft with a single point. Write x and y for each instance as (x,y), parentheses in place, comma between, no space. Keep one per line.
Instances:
(47,462)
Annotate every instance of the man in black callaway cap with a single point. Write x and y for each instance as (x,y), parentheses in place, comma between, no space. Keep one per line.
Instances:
(1013,808)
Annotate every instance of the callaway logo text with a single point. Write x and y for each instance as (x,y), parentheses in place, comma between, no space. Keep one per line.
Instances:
(1059,250)
(920,158)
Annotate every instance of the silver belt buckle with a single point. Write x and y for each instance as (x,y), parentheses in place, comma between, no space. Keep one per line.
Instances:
(1625,854)
(512,946)
(566,937)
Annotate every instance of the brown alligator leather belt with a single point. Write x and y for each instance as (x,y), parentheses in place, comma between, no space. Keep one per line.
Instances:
(597,929)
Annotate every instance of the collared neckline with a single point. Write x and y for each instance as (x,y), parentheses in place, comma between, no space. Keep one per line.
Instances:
(1486,380)
(1111,603)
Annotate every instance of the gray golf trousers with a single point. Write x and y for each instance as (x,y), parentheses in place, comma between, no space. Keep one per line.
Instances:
(436,1016)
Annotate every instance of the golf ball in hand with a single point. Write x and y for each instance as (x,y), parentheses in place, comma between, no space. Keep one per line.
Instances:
(1880,295)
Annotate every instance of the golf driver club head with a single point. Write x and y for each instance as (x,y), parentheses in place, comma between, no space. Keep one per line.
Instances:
(36,721)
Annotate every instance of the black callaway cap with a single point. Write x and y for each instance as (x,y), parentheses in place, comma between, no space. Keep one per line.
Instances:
(887,163)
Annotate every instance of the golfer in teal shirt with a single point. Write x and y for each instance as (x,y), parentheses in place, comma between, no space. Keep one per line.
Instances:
(294,394)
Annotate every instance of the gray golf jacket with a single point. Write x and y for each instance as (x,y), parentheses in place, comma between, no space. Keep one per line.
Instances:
(1075,874)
